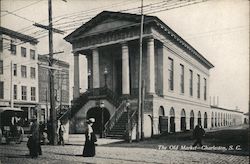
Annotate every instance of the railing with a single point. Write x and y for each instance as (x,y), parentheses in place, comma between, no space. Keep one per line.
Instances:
(114,118)
(94,92)
(131,123)
(109,95)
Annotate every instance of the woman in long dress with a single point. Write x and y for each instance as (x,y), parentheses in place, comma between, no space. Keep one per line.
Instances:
(90,139)
(35,146)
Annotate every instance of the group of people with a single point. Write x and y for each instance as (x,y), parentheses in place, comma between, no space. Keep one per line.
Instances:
(37,134)
(34,141)
(90,138)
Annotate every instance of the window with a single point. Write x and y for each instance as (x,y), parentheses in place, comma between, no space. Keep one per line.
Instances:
(1,67)
(171,74)
(23,52)
(12,48)
(24,93)
(15,92)
(33,94)
(1,44)
(24,71)
(14,69)
(32,54)
(1,90)
(182,78)
(32,72)
(191,83)
(198,86)
(205,89)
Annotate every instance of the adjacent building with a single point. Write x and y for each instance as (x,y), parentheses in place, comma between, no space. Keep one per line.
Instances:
(61,84)
(18,72)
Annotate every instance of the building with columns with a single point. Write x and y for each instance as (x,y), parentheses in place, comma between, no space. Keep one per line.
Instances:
(176,77)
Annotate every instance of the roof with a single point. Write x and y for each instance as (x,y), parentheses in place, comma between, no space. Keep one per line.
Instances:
(216,107)
(18,35)
(137,19)
(44,58)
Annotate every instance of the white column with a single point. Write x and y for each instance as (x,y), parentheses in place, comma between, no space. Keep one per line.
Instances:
(96,74)
(76,90)
(151,66)
(125,70)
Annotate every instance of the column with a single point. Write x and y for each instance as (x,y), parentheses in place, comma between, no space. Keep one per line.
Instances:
(95,64)
(76,90)
(125,70)
(151,66)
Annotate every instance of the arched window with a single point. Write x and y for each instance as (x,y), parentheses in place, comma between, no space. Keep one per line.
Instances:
(172,120)
(192,119)
(212,119)
(183,120)
(199,118)
(205,120)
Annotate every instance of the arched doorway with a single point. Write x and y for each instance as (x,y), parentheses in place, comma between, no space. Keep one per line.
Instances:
(163,120)
(192,119)
(199,118)
(215,120)
(148,132)
(172,120)
(205,120)
(183,120)
(212,120)
(218,119)
(97,114)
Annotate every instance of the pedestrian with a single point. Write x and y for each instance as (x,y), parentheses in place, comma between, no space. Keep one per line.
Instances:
(61,132)
(35,146)
(198,134)
(90,139)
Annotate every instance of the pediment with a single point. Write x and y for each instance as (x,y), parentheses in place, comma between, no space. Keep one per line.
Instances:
(107,24)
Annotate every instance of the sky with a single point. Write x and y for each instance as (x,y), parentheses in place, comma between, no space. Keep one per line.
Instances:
(218,29)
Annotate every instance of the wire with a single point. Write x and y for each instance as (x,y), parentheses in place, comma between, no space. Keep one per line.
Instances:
(22,7)
(69,27)
(19,16)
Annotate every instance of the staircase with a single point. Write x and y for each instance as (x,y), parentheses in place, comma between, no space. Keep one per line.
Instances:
(119,129)
(119,126)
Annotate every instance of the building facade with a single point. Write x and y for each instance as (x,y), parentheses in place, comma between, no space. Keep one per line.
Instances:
(61,84)
(175,76)
(18,72)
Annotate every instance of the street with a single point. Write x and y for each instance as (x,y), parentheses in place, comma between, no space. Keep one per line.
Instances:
(108,152)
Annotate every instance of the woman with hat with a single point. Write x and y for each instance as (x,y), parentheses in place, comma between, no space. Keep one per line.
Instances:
(90,139)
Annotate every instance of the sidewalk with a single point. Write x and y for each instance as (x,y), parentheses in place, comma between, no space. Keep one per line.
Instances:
(79,139)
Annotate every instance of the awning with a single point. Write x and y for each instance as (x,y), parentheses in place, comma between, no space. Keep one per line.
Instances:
(10,109)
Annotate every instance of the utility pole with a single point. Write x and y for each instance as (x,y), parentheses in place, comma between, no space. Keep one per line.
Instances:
(53,115)
(51,76)
(11,85)
(140,78)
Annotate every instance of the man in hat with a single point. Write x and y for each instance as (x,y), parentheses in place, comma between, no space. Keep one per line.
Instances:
(90,139)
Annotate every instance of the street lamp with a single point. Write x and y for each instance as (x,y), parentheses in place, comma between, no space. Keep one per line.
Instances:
(105,75)
(89,74)
(128,124)
(101,106)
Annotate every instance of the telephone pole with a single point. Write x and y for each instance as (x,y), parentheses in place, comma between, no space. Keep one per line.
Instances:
(138,132)
(53,112)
